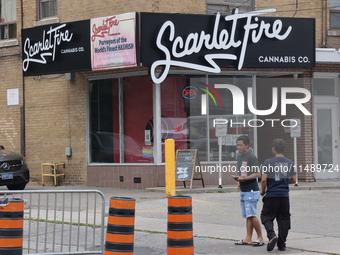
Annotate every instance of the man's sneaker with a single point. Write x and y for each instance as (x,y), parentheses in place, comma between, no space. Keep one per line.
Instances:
(282,248)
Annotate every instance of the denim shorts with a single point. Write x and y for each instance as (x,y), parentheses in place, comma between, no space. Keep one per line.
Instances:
(249,203)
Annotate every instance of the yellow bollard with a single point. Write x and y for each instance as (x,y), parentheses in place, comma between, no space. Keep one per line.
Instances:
(170,181)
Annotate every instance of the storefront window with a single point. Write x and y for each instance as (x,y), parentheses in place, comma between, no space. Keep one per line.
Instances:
(104,143)
(117,139)
(175,112)
(122,126)
(197,122)
(137,113)
(183,121)
(237,124)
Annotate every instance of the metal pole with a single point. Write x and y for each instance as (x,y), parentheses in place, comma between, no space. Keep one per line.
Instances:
(220,162)
(295,161)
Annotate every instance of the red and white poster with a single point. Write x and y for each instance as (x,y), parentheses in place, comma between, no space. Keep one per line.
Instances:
(12,96)
(113,41)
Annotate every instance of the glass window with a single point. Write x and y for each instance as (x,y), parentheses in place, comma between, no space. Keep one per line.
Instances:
(335,19)
(104,142)
(324,135)
(182,119)
(8,27)
(175,111)
(334,8)
(226,8)
(48,8)
(138,113)
(197,123)
(215,8)
(237,124)
(324,87)
(115,138)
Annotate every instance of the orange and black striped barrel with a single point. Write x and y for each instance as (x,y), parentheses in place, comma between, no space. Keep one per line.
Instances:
(120,226)
(180,231)
(11,226)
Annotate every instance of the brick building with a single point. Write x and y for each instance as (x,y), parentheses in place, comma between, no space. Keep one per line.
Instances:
(116,120)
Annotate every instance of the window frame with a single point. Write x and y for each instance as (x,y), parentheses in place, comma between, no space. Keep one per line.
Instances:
(156,114)
(120,77)
(333,10)
(7,25)
(49,12)
(229,5)
(329,76)
(330,24)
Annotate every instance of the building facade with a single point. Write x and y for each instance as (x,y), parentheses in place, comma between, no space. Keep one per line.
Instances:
(116,120)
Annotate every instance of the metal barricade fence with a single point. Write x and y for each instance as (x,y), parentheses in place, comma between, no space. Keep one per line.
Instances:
(62,221)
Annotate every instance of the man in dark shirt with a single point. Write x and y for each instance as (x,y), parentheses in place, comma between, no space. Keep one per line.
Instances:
(277,173)
(248,172)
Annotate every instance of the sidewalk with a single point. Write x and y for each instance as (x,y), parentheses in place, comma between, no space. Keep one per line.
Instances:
(318,185)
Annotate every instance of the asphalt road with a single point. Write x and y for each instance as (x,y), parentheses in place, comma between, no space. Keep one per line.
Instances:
(216,218)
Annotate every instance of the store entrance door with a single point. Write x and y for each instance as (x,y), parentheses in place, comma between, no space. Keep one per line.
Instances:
(327,140)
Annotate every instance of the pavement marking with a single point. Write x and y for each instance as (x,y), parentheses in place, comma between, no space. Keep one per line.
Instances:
(147,211)
(193,212)
(229,214)
(151,211)
(214,203)
(315,197)
(196,200)
(92,211)
(158,188)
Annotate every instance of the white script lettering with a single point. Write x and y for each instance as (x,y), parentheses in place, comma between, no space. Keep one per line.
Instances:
(46,47)
(223,41)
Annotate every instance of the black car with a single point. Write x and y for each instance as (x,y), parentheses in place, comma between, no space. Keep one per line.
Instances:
(13,170)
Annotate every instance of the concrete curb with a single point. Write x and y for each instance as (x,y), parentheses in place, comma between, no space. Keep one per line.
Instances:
(233,188)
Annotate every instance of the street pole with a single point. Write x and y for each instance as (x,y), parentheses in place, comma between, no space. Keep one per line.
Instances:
(295,131)
(295,161)
(220,161)
(220,131)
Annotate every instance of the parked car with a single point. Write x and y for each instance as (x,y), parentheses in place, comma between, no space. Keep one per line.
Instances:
(104,145)
(14,172)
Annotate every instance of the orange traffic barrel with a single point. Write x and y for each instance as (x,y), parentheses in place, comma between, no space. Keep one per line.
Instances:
(180,231)
(120,226)
(11,226)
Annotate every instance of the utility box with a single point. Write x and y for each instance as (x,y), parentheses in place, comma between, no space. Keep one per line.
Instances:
(68,152)
(69,76)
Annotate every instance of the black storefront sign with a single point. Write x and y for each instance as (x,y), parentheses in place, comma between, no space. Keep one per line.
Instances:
(57,48)
(210,42)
